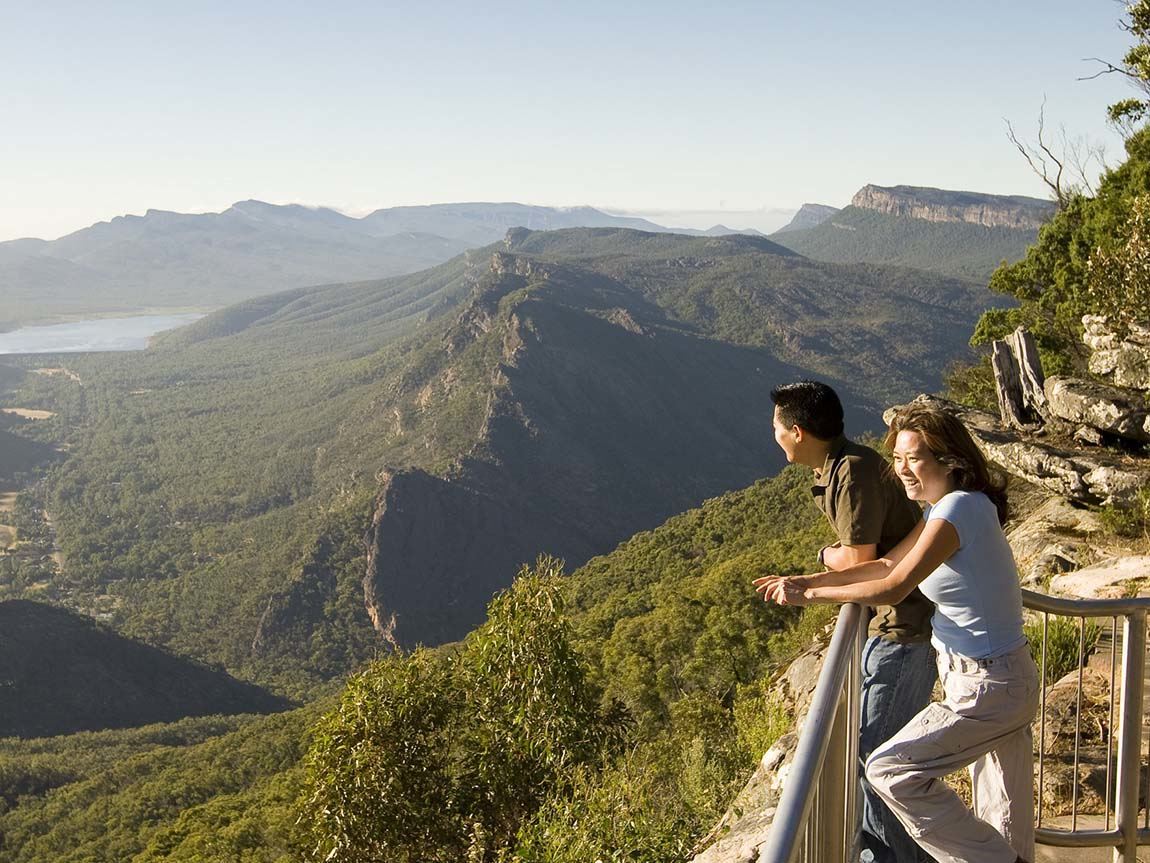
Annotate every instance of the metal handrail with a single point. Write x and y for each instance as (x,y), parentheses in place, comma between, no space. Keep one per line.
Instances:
(832,698)
(817,817)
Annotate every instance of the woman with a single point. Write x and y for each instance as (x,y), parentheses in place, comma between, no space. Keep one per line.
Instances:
(959,558)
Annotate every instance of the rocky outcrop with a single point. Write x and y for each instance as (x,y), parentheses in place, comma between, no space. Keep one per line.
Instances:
(1056,537)
(1114,410)
(940,205)
(1107,578)
(1126,361)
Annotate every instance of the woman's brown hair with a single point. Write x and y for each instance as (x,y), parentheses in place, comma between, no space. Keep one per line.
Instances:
(950,442)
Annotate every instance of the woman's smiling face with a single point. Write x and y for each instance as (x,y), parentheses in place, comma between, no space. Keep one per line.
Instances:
(923,476)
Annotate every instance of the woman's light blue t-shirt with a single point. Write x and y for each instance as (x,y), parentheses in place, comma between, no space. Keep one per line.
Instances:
(976,592)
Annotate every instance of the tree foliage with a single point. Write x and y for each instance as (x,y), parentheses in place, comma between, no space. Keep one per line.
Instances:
(437,756)
(1053,282)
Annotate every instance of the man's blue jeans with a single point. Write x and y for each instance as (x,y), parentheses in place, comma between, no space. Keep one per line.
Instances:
(897,680)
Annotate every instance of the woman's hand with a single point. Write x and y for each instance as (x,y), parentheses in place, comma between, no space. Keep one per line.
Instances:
(793,592)
(785,590)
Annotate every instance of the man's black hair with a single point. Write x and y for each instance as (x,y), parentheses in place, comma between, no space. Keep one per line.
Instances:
(812,406)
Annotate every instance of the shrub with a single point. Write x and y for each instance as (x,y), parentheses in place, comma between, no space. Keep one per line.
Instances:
(1062,642)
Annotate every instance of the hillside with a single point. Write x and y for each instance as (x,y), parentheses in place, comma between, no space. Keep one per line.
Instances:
(676,598)
(62,673)
(808,216)
(956,249)
(557,392)
(960,234)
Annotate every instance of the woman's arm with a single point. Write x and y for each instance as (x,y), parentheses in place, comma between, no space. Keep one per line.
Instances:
(936,541)
(771,586)
(870,570)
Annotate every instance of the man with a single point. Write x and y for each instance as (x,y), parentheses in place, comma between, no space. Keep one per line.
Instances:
(866,505)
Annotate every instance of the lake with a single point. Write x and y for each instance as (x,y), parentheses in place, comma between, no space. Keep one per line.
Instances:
(98,334)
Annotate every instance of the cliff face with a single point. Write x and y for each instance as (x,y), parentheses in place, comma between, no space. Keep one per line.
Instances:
(940,205)
(601,420)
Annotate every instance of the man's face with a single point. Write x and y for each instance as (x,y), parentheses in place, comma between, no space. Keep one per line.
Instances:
(785,437)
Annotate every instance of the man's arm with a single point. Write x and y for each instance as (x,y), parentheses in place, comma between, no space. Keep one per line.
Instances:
(934,542)
(841,556)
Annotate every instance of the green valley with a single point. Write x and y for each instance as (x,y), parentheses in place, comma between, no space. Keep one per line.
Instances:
(235,493)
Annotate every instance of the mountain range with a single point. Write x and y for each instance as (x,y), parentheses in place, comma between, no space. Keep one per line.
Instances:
(293,481)
(180,260)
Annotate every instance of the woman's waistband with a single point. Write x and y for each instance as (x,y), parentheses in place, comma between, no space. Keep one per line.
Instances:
(1010,657)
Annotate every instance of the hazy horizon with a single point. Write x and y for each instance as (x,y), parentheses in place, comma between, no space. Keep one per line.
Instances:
(670,108)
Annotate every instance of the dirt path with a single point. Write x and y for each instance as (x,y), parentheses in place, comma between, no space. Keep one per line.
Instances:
(60,370)
(28,413)
(7,533)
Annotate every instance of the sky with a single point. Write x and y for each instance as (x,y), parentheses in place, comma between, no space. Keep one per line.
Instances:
(688,113)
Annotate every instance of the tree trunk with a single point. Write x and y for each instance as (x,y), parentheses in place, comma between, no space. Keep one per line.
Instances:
(1029,371)
(1008,384)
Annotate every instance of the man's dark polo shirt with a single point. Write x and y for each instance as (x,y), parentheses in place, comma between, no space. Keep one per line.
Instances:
(865,503)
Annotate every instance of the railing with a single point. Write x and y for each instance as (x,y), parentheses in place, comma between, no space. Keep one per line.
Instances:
(817,819)
(818,814)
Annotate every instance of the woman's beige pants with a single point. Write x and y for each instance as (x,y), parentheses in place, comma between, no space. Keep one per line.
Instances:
(983,722)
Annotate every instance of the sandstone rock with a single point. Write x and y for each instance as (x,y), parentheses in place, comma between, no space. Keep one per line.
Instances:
(1097,334)
(1123,412)
(1088,477)
(1088,436)
(1054,538)
(1125,360)
(1107,578)
(937,205)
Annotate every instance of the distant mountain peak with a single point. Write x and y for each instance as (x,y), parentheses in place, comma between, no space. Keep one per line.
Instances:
(942,205)
(808,216)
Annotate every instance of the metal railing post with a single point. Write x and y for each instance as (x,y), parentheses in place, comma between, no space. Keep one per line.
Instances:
(832,789)
(1130,734)
(803,786)
(853,686)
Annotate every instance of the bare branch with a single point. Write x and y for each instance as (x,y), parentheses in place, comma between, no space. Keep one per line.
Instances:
(1109,68)
(1066,165)
(1037,158)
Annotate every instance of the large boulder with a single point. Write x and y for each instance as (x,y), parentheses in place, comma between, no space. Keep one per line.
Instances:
(1116,410)
(1125,360)
(1056,537)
